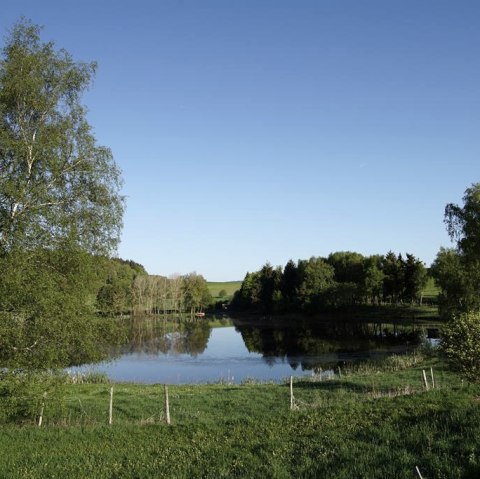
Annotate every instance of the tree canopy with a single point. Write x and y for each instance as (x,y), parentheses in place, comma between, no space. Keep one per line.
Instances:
(60,204)
(343,279)
(56,183)
(457,271)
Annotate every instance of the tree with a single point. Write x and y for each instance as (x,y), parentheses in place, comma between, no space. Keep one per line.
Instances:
(248,296)
(348,266)
(196,294)
(269,278)
(288,285)
(458,271)
(461,343)
(317,276)
(414,277)
(393,282)
(56,183)
(59,203)
(373,280)
(463,224)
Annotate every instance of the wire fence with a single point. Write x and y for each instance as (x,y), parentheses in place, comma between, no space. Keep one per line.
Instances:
(157,404)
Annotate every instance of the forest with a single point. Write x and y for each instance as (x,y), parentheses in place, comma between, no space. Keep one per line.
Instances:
(343,279)
(128,289)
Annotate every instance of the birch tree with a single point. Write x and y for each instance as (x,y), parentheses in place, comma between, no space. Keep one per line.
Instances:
(56,183)
(60,203)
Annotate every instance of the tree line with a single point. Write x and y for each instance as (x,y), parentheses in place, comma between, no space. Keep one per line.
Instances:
(128,288)
(343,279)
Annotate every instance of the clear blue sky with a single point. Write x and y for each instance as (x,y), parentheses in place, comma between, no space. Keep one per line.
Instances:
(252,131)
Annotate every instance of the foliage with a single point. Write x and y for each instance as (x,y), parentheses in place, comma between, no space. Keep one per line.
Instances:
(196,294)
(456,281)
(152,294)
(463,224)
(23,393)
(45,319)
(373,281)
(461,343)
(414,278)
(114,296)
(59,205)
(315,277)
(342,280)
(457,272)
(56,183)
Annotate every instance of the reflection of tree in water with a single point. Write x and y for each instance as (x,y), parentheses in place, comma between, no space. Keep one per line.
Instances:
(301,344)
(154,335)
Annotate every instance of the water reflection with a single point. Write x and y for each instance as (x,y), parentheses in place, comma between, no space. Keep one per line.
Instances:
(311,345)
(165,336)
(185,351)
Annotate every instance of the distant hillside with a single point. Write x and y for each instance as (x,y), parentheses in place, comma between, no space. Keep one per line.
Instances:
(228,286)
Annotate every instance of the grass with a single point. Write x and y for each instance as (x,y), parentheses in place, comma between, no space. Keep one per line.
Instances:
(375,422)
(430,292)
(229,286)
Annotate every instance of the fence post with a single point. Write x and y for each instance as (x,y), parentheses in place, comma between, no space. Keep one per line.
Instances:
(433,380)
(40,419)
(291,393)
(110,409)
(425,379)
(167,405)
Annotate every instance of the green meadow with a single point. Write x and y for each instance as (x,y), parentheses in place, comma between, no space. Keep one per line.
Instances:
(229,287)
(373,421)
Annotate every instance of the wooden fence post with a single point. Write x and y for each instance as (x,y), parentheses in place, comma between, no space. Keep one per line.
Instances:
(167,405)
(425,380)
(40,419)
(110,409)
(433,380)
(291,393)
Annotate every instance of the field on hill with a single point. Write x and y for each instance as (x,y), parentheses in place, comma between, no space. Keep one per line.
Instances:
(215,287)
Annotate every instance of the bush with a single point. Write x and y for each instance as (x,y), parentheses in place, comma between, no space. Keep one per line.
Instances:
(23,393)
(461,344)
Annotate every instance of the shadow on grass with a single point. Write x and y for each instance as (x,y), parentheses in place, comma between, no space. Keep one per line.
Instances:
(332,385)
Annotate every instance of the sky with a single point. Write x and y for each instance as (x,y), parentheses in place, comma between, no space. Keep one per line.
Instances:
(266,130)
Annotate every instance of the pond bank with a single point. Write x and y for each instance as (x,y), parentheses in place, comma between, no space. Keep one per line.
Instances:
(372,423)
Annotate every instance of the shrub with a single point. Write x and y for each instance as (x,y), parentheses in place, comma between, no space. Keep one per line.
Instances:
(461,344)
(23,393)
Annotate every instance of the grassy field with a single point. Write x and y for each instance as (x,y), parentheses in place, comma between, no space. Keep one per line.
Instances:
(229,286)
(372,422)
(430,292)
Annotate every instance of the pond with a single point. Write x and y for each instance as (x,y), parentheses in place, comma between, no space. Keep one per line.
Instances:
(179,352)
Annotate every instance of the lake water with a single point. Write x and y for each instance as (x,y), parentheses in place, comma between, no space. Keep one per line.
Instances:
(159,352)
